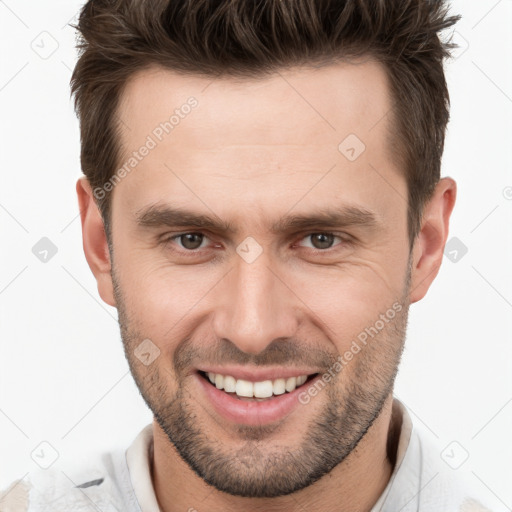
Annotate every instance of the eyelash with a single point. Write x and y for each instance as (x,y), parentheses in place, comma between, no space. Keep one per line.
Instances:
(344,239)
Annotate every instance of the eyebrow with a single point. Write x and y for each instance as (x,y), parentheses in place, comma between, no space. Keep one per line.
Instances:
(158,215)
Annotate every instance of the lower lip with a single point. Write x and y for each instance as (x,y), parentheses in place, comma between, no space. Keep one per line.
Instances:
(254,412)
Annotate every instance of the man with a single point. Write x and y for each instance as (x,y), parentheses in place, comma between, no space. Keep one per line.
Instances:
(262,202)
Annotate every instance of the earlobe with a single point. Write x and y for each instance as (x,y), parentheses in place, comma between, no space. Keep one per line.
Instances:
(430,242)
(95,241)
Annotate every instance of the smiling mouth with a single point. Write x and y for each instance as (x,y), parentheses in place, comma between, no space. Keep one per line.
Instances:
(255,391)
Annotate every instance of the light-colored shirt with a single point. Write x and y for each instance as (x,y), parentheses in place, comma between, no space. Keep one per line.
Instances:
(120,481)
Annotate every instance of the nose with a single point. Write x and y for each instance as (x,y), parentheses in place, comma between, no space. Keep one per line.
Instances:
(256,306)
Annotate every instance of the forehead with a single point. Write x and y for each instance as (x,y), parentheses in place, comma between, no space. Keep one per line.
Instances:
(333,98)
(270,136)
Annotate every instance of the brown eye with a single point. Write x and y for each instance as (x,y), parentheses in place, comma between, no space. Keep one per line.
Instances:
(322,240)
(191,241)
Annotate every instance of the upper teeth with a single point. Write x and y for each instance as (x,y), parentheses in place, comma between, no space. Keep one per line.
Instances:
(262,389)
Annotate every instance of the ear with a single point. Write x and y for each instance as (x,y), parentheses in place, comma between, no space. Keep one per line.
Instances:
(429,244)
(95,241)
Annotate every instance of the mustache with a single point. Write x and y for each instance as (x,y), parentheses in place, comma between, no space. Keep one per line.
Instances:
(281,351)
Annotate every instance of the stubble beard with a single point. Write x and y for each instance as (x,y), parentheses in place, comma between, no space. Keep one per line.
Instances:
(257,467)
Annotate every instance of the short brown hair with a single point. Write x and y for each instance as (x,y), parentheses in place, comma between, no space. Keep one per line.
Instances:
(252,38)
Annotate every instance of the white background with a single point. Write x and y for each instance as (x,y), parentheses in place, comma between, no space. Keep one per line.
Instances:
(63,376)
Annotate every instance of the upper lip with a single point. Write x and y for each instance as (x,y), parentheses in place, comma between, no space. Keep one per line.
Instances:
(258,374)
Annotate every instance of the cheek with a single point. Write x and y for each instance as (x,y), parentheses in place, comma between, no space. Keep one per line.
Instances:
(351,299)
(163,298)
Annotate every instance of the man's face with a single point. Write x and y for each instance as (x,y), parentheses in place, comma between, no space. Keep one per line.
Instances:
(258,295)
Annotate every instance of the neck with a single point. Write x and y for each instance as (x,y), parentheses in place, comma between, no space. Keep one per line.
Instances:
(354,484)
